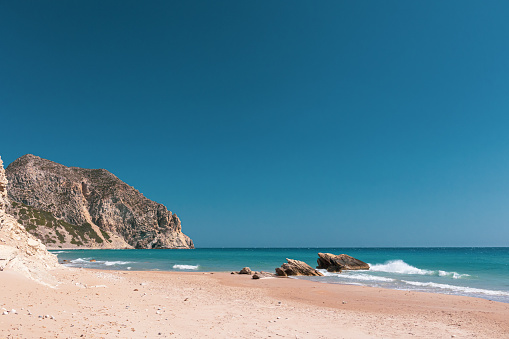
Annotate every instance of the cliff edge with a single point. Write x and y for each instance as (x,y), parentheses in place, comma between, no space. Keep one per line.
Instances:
(72,207)
(19,250)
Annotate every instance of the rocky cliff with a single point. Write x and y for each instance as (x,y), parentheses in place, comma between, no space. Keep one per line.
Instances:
(20,251)
(71,207)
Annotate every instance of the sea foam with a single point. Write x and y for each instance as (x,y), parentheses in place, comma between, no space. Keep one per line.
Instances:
(355,276)
(398,266)
(401,267)
(111,263)
(83,261)
(186,267)
(457,289)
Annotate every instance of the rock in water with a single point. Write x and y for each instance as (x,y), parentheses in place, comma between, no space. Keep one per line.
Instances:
(73,207)
(337,263)
(296,267)
(19,250)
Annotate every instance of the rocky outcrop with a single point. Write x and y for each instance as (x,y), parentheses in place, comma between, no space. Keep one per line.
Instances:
(296,267)
(20,251)
(71,207)
(245,270)
(262,275)
(337,263)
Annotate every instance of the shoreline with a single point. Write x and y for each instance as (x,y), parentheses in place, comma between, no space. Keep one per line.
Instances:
(163,304)
(438,271)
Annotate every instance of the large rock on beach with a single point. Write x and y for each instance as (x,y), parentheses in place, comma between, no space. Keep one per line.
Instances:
(262,274)
(296,267)
(338,263)
(245,270)
(72,207)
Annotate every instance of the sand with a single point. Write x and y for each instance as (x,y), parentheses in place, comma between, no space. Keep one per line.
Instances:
(119,304)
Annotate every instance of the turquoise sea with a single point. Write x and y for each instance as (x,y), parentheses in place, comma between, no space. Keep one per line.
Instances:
(477,272)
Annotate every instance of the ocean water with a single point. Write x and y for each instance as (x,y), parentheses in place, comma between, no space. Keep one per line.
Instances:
(477,272)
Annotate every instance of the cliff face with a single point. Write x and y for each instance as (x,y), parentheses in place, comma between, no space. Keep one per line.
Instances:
(70,207)
(19,250)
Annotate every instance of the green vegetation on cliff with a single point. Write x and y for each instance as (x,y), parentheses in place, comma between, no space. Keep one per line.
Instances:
(51,230)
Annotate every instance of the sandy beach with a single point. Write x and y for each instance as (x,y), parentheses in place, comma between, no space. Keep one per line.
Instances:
(119,304)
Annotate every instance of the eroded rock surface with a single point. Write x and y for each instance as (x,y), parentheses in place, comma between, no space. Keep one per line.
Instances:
(296,267)
(245,270)
(19,250)
(71,207)
(262,275)
(337,263)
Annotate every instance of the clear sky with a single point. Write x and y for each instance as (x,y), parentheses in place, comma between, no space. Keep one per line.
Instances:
(274,123)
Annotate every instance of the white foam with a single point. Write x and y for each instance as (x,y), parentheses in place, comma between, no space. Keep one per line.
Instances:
(80,260)
(398,266)
(355,276)
(454,288)
(453,275)
(186,267)
(111,263)
(401,267)
(83,261)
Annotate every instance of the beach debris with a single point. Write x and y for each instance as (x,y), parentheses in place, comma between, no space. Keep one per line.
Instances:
(186,299)
(135,290)
(338,263)
(246,270)
(344,302)
(13,311)
(296,267)
(5,313)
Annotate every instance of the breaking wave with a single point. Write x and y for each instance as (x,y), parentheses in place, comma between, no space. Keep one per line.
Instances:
(186,267)
(112,263)
(457,289)
(87,262)
(356,276)
(401,267)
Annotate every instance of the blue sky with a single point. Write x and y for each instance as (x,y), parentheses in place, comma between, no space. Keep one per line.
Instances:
(278,124)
